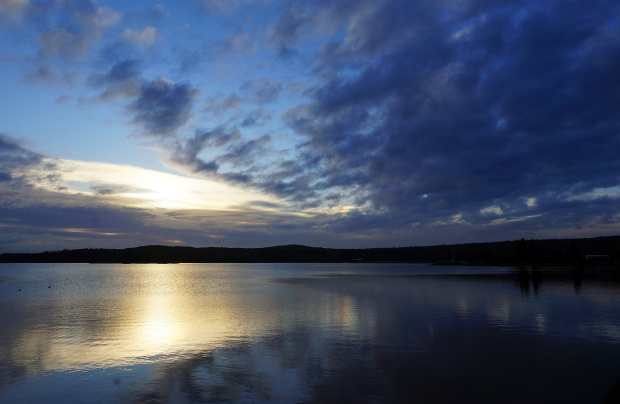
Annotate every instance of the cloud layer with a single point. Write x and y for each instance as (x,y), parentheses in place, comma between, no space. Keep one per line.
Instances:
(476,111)
(400,121)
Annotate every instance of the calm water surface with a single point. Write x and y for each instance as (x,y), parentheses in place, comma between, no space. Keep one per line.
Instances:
(298,333)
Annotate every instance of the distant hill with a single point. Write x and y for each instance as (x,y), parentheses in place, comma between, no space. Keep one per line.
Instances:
(516,252)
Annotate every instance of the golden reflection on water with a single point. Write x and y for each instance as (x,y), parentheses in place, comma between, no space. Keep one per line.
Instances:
(159,312)
(158,326)
(241,329)
(164,312)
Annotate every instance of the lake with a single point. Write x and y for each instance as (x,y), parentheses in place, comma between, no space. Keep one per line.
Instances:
(305,333)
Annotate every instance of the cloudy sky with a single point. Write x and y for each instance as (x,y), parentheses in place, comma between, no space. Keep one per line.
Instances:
(334,123)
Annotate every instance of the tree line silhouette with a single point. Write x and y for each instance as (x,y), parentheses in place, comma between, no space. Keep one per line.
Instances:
(516,252)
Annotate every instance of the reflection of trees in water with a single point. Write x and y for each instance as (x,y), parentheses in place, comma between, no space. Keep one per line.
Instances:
(372,339)
(528,277)
(459,360)
(533,278)
(24,351)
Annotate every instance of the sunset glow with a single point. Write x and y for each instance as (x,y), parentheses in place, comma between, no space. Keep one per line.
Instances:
(255,123)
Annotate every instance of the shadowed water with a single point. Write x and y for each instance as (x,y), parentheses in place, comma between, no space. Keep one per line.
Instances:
(298,333)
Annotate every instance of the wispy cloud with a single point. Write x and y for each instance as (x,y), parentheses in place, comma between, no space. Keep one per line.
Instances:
(145,37)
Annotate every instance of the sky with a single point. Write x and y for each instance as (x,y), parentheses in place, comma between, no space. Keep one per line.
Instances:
(330,123)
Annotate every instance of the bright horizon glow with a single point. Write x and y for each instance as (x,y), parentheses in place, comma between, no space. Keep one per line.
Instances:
(252,123)
(144,188)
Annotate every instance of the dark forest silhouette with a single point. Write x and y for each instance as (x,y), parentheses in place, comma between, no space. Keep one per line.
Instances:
(552,252)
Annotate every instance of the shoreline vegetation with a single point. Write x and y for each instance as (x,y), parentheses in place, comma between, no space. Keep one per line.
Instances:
(597,253)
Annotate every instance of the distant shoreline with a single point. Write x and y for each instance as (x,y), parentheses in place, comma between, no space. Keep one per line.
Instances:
(597,251)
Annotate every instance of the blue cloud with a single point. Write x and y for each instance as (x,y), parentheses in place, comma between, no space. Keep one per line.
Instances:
(468,110)
(162,107)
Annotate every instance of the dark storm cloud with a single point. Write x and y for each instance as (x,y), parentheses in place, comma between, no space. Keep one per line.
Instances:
(162,107)
(463,107)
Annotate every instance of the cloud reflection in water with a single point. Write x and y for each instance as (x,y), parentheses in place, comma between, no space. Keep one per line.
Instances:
(288,333)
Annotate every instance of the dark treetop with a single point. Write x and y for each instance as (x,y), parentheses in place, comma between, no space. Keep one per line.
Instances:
(564,252)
